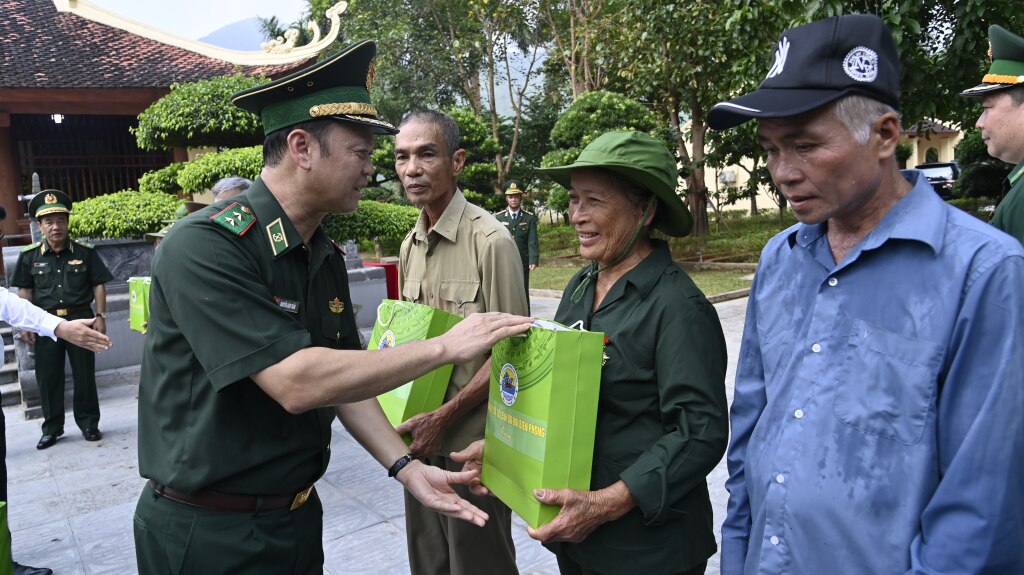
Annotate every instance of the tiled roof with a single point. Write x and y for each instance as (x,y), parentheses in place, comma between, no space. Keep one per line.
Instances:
(43,48)
(930,126)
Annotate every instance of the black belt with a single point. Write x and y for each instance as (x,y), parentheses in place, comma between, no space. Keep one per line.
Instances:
(66,311)
(231,502)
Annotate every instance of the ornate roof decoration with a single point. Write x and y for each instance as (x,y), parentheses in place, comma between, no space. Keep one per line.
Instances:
(275,52)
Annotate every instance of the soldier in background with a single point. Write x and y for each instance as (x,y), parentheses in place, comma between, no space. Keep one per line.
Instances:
(523,227)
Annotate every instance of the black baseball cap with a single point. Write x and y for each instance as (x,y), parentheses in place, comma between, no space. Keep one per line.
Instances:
(818,63)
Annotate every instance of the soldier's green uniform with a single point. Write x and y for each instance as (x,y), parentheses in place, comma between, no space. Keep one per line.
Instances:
(523,227)
(234,291)
(1006,72)
(62,283)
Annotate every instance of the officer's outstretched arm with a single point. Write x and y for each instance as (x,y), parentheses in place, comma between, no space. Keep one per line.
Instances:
(347,376)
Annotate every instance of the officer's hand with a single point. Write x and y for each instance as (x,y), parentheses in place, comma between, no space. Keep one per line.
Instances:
(432,486)
(426,430)
(582,511)
(81,334)
(473,459)
(477,333)
(100,324)
(28,337)
(533,267)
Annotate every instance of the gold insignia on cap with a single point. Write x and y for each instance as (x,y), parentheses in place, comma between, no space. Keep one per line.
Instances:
(371,73)
(50,199)
(337,306)
(513,186)
(345,109)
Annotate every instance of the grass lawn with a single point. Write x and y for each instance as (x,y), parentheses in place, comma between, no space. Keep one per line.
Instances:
(711,282)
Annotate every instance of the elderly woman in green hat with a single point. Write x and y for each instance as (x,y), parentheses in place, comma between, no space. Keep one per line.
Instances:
(662,418)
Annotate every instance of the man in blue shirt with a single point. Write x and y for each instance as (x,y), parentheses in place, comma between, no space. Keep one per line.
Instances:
(877,413)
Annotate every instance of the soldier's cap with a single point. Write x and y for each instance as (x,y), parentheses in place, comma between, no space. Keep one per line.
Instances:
(816,64)
(338,87)
(643,160)
(1007,68)
(49,202)
(513,187)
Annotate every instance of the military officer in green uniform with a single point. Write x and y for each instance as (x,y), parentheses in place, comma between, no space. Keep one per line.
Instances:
(251,348)
(523,227)
(1002,122)
(63,276)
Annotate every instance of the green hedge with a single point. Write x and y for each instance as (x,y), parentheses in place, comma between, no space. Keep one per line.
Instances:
(199,114)
(125,214)
(203,172)
(372,220)
(164,180)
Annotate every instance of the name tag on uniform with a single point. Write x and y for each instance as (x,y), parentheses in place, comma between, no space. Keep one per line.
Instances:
(41,264)
(523,224)
(506,223)
(287,305)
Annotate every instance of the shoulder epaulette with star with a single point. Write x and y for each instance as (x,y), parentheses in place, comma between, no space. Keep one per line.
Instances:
(30,247)
(236,218)
(85,244)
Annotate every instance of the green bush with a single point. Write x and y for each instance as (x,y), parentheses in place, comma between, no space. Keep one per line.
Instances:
(164,180)
(384,196)
(125,214)
(203,172)
(372,220)
(199,114)
(489,202)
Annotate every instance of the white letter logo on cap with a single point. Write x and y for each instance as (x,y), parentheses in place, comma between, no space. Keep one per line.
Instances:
(861,64)
(780,58)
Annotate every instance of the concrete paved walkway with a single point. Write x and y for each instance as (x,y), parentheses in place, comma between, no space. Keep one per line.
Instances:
(71,505)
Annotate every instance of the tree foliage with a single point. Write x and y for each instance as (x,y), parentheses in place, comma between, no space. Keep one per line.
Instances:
(125,214)
(200,114)
(164,180)
(201,173)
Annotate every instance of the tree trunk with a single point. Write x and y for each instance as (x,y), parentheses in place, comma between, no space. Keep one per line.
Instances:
(753,203)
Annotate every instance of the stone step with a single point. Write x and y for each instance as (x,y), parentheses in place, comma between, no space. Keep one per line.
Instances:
(9,353)
(10,391)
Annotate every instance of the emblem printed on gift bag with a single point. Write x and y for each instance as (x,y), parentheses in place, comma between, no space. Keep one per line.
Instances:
(509,384)
(387,340)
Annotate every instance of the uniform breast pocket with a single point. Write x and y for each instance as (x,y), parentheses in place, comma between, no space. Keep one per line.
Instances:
(887,386)
(77,275)
(463,294)
(43,276)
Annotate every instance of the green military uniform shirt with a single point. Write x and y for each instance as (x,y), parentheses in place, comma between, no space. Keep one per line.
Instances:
(60,280)
(662,421)
(523,228)
(465,264)
(1009,216)
(235,291)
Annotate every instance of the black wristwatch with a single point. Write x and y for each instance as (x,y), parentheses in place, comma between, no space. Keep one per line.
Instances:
(399,465)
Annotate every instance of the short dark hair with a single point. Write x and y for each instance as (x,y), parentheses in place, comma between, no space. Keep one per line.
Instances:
(1016,95)
(276,142)
(449,129)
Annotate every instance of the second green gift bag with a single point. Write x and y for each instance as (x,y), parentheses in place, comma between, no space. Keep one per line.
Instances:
(541,413)
(400,322)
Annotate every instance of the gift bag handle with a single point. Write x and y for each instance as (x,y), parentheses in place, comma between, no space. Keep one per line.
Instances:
(398,304)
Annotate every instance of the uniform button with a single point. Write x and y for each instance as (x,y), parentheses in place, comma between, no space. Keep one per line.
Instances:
(58,285)
(780,479)
(774,540)
(798,413)
(833,281)
(816,348)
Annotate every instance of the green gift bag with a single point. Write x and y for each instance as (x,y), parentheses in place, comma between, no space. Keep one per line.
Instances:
(6,563)
(400,322)
(138,303)
(541,414)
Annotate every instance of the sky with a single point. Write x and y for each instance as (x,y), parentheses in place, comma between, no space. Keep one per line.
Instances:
(197,18)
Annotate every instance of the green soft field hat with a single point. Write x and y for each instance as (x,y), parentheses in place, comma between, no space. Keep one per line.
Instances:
(338,87)
(1007,69)
(643,160)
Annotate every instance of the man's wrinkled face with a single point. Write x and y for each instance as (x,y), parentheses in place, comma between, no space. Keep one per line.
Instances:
(54,228)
